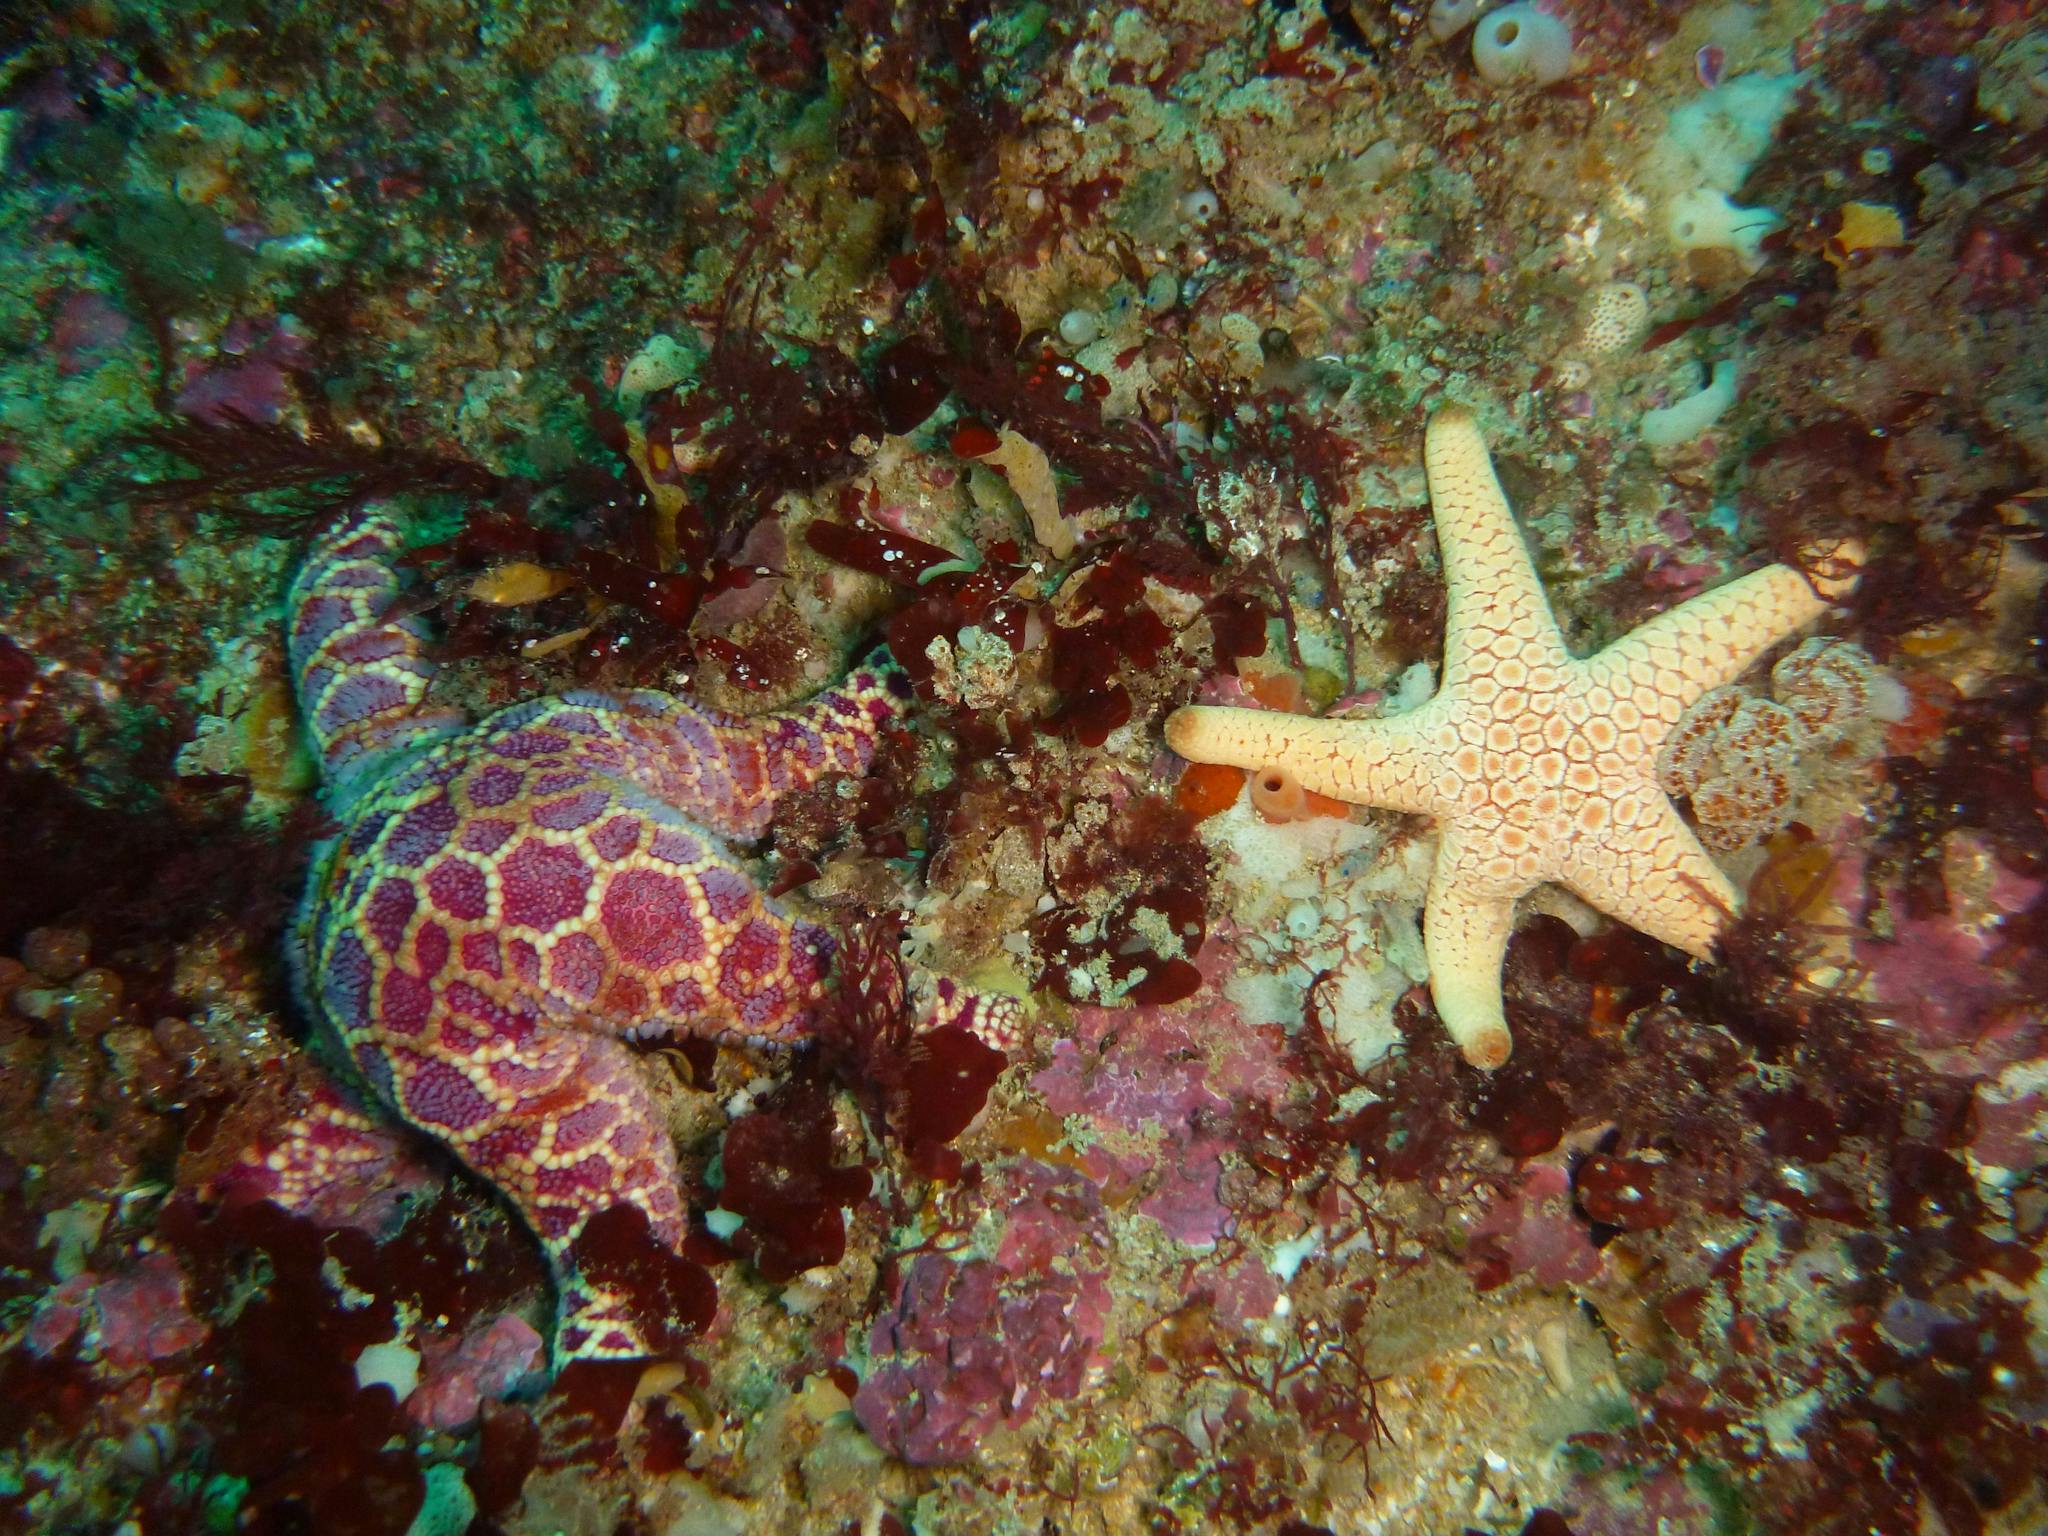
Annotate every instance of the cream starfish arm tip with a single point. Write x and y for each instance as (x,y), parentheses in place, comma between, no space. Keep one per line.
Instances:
(1452,418)
(1465,937)
(1190,731)
(1235,738)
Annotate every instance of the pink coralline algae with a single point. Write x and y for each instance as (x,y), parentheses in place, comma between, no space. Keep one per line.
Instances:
(1054,1214)
(1530,1229)
(969,1346)
(86,331)
(1146,1073)
(1185,1201)
(1662,1502)
(2004,1134)
(252,382)
(1940,979)
(131,1320)
(1934,979)
(457,1376)
(1245,1292)
(1124,1086)
(508,903)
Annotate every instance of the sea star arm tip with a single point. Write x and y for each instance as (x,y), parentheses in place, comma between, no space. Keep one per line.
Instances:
(1662,882)
(1711,639)
(1382,763)
(1465,938)
(1495,605)
(362,674)
(730,773)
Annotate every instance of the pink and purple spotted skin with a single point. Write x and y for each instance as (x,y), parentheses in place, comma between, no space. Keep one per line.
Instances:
(507,903)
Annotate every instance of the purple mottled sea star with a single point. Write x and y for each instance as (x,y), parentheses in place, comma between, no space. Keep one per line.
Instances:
(507,903)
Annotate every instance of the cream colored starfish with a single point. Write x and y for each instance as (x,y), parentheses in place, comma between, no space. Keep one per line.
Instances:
(1536,765)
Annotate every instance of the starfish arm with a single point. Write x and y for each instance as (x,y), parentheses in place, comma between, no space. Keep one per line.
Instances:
(559,1120)
(1381,763)
(1465,938)
(1651,873)
(1496,607)
(362,675)
(730,772)
(1708,640)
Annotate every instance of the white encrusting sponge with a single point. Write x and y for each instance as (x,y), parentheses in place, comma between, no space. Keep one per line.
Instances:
(1521,42)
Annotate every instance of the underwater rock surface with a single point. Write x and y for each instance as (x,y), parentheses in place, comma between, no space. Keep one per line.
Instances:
(1105,1164)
